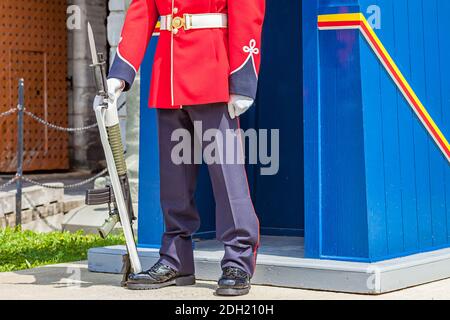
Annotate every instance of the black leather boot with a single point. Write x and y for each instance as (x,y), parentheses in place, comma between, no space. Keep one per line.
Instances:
(159,276)
(234,282)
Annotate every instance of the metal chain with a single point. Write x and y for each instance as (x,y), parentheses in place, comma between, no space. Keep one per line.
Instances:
(56,127)
(9,112)
(68,186)
(10,182)
(59,128)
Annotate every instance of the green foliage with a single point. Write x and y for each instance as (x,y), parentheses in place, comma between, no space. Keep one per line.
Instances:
(26,249)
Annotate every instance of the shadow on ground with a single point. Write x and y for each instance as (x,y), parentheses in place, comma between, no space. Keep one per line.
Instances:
(74,275)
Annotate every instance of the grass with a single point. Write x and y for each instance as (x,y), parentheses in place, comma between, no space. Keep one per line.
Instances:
(21,250)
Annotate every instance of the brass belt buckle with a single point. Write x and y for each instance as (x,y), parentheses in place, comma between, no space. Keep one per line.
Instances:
(180,22)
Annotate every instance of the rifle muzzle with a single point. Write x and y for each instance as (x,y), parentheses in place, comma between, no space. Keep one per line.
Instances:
(108,226)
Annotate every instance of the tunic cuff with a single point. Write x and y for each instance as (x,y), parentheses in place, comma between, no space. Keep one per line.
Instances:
(123,71)
(244,81)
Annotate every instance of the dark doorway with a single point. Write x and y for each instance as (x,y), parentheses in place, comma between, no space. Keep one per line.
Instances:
(279,199)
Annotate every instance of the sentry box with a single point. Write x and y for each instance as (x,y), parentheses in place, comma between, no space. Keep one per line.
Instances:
(360,94)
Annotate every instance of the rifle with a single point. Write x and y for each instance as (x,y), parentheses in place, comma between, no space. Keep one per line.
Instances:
(117,195)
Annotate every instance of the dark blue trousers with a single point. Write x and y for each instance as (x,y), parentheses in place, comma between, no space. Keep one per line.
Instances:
(237,225)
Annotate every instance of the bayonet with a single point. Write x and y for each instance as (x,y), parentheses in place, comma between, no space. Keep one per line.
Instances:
(99,65)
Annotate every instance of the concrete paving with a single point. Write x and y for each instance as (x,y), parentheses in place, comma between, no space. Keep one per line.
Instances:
(74,281)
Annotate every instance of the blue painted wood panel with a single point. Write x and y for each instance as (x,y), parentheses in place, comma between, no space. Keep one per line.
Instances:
(433,99)
(410,32)
(344,218)
(421,139)
(443,8)
(406,174)
(151,225)
(390,142)
(311,125)
(406,119)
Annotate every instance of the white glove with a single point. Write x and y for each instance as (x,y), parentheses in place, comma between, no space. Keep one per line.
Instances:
(238,105)
(115,88)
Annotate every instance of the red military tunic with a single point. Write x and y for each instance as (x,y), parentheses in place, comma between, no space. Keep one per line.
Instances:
(193,66)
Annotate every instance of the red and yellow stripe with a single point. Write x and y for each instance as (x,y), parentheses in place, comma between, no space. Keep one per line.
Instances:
(157,30)
(358,21)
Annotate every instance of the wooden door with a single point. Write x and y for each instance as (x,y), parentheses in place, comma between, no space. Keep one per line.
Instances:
(33,46)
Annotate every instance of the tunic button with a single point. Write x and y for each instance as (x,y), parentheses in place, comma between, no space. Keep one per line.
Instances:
(175,10)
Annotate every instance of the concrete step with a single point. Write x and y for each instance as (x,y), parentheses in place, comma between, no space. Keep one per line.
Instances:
(38,203)
(45,225)
(281,263)
(33,197)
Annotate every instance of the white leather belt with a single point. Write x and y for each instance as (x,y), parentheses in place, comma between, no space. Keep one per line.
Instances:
(194,21)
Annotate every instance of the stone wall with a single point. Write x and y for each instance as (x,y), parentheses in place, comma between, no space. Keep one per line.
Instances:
(38,203)
(85,151)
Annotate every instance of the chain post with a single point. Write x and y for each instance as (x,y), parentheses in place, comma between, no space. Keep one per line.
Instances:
(19,182)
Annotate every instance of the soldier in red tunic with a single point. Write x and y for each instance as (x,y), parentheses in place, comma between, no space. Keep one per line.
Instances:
(205,69)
